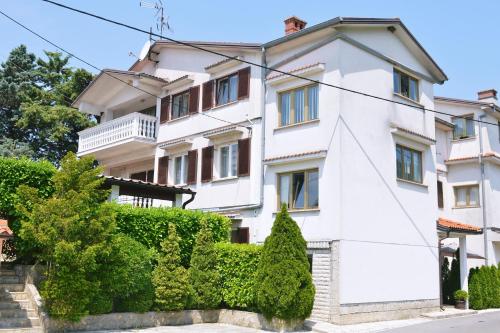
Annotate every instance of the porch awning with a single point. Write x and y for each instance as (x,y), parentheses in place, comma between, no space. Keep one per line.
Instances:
(450,226)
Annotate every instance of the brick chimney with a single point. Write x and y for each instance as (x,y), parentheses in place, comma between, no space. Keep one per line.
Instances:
(488,96)
(294,24)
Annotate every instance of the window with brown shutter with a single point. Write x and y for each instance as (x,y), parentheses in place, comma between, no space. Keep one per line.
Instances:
(165,109)
(440,194)
(244,83)
(192,166)
(162,170)
(208,92)
(194,94)
(244,157)
(207,159)
(240,235)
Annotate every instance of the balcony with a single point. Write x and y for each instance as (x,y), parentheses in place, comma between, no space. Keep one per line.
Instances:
(126,134)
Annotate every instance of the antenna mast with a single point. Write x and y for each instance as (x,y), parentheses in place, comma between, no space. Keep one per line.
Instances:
(161,20)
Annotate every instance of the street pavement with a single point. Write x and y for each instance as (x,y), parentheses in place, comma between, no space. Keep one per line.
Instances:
(488,322)
(199,328)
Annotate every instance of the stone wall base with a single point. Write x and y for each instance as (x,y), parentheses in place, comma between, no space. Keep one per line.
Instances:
(370,312)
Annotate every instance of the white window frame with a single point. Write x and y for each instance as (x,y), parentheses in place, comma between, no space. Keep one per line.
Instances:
(183,170)
(232,149)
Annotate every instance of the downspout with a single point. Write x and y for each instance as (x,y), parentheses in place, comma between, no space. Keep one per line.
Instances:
(189,200)
(483,191)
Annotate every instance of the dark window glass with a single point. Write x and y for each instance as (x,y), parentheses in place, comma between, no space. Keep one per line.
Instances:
(298,190)
(409,164)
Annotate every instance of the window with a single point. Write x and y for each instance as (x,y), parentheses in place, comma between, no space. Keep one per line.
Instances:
(180,105)
(405,85)
(228,160)
(146,176)
(440,194)
(409,164)
(298,105)
(240,235)
(227,89)
(180,169)
(464,127)
(299,190)
(467,196)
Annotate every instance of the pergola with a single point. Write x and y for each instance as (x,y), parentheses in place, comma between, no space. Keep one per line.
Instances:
(146,190)
(453,229)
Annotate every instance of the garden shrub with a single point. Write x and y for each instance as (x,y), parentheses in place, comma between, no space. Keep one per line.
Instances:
(13,173)
(285,289)
(484,288)
(149,226)
(237,265)
(203,274)
(170,278)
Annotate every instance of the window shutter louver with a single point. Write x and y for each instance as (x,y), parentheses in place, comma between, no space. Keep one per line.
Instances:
(194,94)
(162,170)
(192,166)
(244,83)
(165,109)
(208,92)
(207,157)
(244,157)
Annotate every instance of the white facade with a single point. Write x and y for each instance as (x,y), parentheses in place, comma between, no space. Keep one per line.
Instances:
(367,221)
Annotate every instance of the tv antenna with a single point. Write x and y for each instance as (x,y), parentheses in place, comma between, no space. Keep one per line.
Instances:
(161,20)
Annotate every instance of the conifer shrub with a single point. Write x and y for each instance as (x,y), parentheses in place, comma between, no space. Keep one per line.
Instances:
(203,274)
(284,284)
(170,278)
(237,265)
(484,288)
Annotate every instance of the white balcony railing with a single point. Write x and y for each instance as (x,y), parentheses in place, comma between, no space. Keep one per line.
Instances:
(134,125)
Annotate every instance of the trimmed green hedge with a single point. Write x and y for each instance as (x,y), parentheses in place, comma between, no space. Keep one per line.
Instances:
(484,287)
(149,226)
(237,264)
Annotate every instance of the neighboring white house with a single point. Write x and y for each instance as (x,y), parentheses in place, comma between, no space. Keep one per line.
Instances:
(468,166)
(358,174)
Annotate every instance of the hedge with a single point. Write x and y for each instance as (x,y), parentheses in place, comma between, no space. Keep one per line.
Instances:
(149,226)
(484,287)
(237,264)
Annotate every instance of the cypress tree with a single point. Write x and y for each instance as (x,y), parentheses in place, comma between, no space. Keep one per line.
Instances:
(170,278)
(203,274)
(284,283)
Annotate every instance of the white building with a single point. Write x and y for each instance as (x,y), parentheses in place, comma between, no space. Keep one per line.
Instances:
(358,173)
(468,166)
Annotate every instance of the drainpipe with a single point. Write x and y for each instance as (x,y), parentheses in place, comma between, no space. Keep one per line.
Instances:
(483,191)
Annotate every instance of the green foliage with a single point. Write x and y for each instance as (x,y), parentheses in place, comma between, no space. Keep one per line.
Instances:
(203,274)
(170,278)
(14,148)
(149,226)
(285,289)
(237,265)
(460,295)
(484,288)
(450,278)
(71,231)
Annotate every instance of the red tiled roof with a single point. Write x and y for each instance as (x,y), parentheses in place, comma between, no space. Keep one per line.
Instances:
(5,230)
(450,225)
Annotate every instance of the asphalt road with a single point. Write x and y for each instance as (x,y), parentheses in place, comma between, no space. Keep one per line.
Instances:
(482,323)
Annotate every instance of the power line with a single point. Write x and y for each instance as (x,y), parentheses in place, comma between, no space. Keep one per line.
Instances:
(100,70)
(257,64)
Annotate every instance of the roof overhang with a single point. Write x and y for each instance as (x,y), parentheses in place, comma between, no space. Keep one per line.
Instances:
(454,228)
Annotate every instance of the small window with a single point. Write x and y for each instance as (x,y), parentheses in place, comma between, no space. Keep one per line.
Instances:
(299,190)
(228,161)
(298,105)
(240,235)
(180,105)
(409,164)
(227,89)
(146,176)
(464,127)
(440,194)
(467,196)
(405,85)
(180,169)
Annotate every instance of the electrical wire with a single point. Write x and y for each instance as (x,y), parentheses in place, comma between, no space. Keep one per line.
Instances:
(257,64)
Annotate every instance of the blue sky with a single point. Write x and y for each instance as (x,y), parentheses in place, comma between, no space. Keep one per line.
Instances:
(462,36)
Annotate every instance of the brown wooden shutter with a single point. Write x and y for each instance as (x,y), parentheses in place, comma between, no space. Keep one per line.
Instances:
(244,83)
(163,170)
(207,159)
(165,109)
(240,235)
(194,98)
(192,166)
(440,194)
(208,92)
(244,157)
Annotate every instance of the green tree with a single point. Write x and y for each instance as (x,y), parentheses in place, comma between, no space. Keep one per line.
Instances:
(203,274)
(170,278)
(476,297)
(285,289)
(71,231)
(14,148)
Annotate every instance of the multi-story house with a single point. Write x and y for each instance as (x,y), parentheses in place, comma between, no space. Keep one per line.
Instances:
(468,166)
(358,174)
